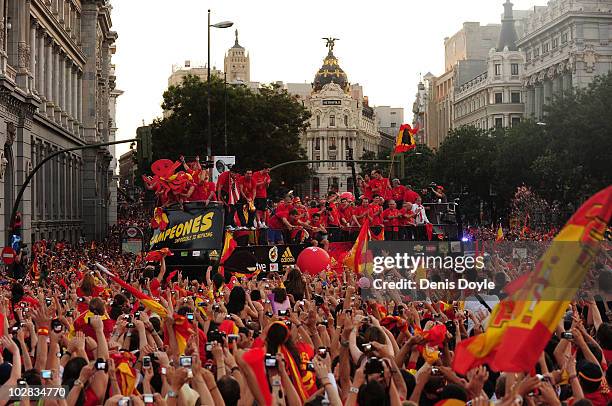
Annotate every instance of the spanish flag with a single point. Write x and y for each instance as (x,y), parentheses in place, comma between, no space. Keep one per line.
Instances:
(500,234)
(405,140)
(357,256)
(126,374)
(146,300)
(521,325)
(228,249)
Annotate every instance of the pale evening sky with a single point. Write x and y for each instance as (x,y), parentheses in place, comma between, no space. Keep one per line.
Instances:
(384,45)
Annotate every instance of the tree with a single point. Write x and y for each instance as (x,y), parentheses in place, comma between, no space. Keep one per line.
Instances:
(263,127)
(418,167)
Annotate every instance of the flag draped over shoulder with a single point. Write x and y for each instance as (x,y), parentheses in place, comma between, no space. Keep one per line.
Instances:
(228,248)
(405,140)
(146,300)
(357,256)
(521,325)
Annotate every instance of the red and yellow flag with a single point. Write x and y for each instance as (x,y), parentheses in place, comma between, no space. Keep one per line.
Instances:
(521,325)
(357,256)
(405,140)
(146,300)
(500,233)
(228,249)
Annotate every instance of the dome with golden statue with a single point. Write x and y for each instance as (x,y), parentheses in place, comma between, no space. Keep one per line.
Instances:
(330,71)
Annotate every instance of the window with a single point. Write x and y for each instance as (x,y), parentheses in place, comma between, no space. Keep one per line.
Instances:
(514,69)
(318,121)
(497,69)
(332,142)
(499,122)
(555,43)
(499,98)
(545,48)
(317,144)
(515,97)
(393,125)
(393,113)
(315,186)
(515,121)
(332,121)
(536,52)
(564,38)
(345,120)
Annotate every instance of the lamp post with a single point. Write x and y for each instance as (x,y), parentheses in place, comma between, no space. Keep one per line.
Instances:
(222,24)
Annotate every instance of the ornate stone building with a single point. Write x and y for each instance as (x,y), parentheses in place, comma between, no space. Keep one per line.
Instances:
(566,44)
(493,98)
(57,90)
(237,64)
(341,119)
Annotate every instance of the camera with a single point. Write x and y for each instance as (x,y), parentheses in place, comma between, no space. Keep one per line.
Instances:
(269,314)
(130,325)
(146,362)
(283,313)
(270,361)
(147,398)
(324,322)
(216,307)
(48,301)
(81,300)
(366,347)
(46,374)
(435,371)
(374,366)
(137,315)
(56,325)
(232,337)
(185,362)
(189,316)
(124,401)
(310,366)
(322,351)
(568,335)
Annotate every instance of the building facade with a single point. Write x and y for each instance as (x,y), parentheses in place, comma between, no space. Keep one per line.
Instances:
(566,44)
(493,98)
(237,64)
(58,91)
(341,119)
(389,119)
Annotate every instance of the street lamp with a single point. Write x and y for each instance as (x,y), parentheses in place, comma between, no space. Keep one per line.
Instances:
(222,24)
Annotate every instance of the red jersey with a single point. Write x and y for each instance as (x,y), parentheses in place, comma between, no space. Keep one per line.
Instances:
(346,213)
(275,222)
(397,193)
(223,182)
(390,222)
(375,213)
(282,207)
(248,187)
(262,181)
(403,221)
(410,195)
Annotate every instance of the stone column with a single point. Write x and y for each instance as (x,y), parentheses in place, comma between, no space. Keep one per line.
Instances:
(57,78)
(49,75)
(69,91)
(538,101)
(547,94)
(80,102)
(33,52)
(63,87)
(567,81)
(40,66)
(75,93)
(22,26)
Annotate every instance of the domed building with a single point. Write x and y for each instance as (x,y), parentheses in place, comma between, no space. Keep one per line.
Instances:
(341,120)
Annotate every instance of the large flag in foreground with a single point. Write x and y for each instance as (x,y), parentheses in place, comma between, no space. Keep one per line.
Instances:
(146,300)
(521,325)
(357,256)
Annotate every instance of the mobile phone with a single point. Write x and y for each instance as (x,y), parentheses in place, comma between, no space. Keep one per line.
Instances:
(146,362)
(137,315)
(56,325)
(48,301)
(216,307)
(228,317)
(185,362)
(189,316)
(366,347)
(208,347)
(200,290)
(232,337)
(130,325)
(310,366)
(22,382)
(324,322)
(163,370)
(69,313)
(270,361)
(46,374)
(101,365)
(124,401)
(322,351)
(283,313)
(435,371)
(269,314)
(147,398)
(568,335)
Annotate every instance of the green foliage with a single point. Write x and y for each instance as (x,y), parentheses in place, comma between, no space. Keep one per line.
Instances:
(262,127)
(417,167)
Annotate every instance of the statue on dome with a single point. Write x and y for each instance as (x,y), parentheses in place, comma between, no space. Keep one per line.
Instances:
(330,42)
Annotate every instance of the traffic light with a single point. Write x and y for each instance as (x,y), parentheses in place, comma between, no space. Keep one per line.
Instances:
(144,147)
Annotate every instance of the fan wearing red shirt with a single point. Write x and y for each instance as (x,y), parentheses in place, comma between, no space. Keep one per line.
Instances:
(407,226)
(390,217)
(201,190)
(364,186)
(262,182)
(375,215)
(410,195)
(225,185)
(246,204)
(361,211)
(397,193)
(380,186)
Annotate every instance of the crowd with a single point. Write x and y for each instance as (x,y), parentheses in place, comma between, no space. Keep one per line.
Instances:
(392,210)
(277,338)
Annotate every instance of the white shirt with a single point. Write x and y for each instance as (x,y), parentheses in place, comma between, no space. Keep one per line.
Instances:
(420,217)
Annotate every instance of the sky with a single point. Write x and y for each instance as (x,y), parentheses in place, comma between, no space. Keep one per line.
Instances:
(385,45)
